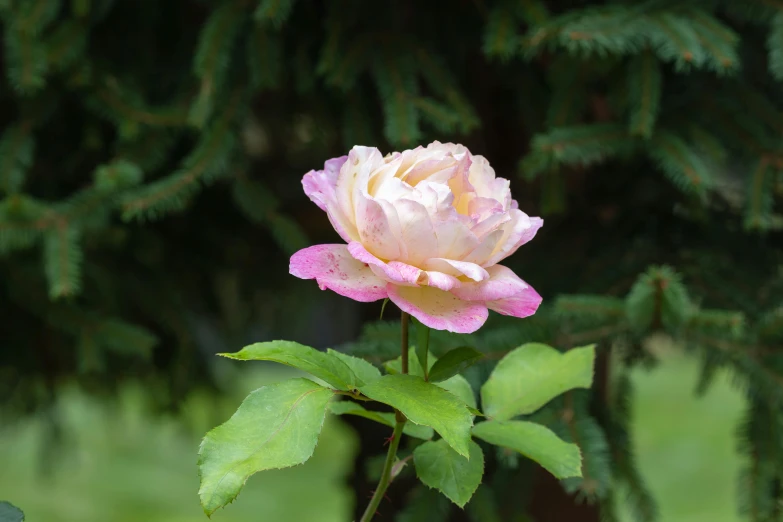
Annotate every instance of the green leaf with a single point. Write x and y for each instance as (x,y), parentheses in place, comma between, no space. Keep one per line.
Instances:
(427,404)
(457,384)
(454,362)
(536,442)
(325,366)
(438,466)
(276,426)
(394,366)
(351,408)
(532,375)
(364,371)
(10,513)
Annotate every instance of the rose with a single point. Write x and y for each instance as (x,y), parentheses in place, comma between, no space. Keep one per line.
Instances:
(425,228)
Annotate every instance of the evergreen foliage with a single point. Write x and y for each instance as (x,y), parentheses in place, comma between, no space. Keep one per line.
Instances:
(146,144)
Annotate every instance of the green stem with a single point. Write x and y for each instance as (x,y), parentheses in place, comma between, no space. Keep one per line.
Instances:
(404,345)
(423,348)
(383,484)
(372,507)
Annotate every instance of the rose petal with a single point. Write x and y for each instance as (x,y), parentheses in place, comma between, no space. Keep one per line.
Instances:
(436,198)
(481,254)
(393,220)
(521,305)
(502,283)
(482,177)
(438,309)
(480,209)
(439,280)
(334,268)
(354,176)
(375,230)
(388,169)
(418,234)
(320,185)
(519,231)
(393,272)
(461,187)
(457,268)
(455,240)
(490,224)
(439,169)
(402,273)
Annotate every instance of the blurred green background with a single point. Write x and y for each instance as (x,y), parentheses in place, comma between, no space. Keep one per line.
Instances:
(686,444)
(120,462)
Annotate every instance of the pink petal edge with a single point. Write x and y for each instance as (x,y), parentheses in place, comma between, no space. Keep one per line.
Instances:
(502,283)
(333,267)
(400,273)
(438,309)
(393,271)
(521,305)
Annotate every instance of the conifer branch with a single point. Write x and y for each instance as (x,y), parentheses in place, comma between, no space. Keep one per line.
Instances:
(149,150)
(273,12)
(17,148)
(261,206)
(610,308)
(62,259)
(584,144)
(110,94)
(585,432)
(567,77)
(356,124)
(770,326)
(534,12)
(680,163)
(756,105)
(209,159)
(213,56)
(442,83)
(26,62)
(65,45)
(718,40)
(33,16)
(644,88)
(739,132)
(759,197)
(264,58)
(775,46)
(500,39)
(397,84)
(674,39)
(774,4)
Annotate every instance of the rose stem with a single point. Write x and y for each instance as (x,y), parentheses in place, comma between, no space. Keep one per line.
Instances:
(380,491)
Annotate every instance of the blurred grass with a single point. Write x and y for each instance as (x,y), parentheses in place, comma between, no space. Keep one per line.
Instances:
(117,462)
(686,445)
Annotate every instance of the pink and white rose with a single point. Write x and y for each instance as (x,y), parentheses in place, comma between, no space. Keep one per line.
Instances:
(425,228)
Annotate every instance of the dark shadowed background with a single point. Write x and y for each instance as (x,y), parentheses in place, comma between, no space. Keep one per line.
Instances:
(150,165)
